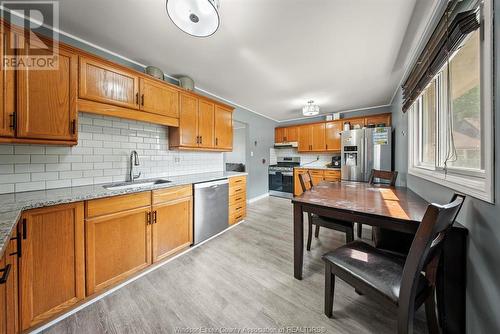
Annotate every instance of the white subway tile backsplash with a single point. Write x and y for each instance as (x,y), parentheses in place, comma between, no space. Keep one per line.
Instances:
(101,156)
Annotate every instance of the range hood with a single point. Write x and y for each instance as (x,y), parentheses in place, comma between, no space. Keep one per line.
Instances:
(286,144)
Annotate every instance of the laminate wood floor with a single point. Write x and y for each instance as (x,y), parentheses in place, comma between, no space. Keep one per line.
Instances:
(242,279)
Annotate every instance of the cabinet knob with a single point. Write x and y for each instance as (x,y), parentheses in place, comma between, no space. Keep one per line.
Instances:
(5,275)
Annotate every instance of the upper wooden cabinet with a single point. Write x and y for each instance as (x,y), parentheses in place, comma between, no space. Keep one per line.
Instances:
(159,98)
(286,135)
(203,125)
(378,119)
(46,100)
(223,128)
(103,82)
(332,135)
(7,90)
(52,263)
(312,137)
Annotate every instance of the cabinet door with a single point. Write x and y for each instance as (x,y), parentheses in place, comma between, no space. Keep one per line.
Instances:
(188,120)
(46,100)
(7,98)
(3,298)
(11,258)
(291,134)
(317,175)
(332,135)
(206,126)
(305,137)
(318,137)
(223,128)
(172,229)
(52,263)
(117,245)
(297,188)
(279,136)
(360,121)
(102,82)
(378,119)
(159,98)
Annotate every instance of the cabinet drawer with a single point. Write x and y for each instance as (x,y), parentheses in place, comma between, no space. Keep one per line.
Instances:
(99,207)
(237,208)
(236,217)
(237,180)
(239,189)
(317,172)
(169,194)
(332,173)
(238,198)
(332,178)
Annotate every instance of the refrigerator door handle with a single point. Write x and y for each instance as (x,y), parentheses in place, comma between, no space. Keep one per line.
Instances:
(365,156)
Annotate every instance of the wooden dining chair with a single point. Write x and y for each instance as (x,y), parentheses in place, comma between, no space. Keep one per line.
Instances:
(391,279)
(390,176)
(347,227)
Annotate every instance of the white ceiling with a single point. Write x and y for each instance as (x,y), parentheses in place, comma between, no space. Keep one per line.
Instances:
(269,56)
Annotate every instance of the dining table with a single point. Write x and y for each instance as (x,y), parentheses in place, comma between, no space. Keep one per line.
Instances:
(395,208)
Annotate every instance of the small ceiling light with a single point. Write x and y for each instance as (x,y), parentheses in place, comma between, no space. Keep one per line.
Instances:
(198,18)
(310,109)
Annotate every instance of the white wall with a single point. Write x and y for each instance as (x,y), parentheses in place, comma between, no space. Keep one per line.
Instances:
(101,156)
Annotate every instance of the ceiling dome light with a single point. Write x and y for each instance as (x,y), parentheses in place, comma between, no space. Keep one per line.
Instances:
(198,18)
(310,109)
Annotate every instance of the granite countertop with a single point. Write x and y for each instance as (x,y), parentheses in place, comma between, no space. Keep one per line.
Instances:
(12,205)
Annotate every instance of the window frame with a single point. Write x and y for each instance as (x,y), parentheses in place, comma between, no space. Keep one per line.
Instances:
(476,183)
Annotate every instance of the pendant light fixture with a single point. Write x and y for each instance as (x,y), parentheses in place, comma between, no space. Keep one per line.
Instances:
(198,18)
(310,109)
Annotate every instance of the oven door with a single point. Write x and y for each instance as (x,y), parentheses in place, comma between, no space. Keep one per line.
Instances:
(287,180)
(281,184)
(275,181)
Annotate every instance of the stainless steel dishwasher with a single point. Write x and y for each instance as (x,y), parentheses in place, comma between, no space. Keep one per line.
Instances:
(210,209)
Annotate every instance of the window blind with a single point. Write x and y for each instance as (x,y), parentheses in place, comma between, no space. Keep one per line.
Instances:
(461,18)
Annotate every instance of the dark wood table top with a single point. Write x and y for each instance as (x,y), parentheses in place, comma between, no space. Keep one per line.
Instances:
(397,203)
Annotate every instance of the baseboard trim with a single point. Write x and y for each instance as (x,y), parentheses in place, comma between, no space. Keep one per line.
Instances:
(255,199)
(121,285)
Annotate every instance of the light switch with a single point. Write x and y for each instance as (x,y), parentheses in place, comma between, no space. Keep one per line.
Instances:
(251,153)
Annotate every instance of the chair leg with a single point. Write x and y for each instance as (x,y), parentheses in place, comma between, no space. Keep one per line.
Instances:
(329,290)
(360,230)
(309,235)
(349,235)
(316,233)
(430,312)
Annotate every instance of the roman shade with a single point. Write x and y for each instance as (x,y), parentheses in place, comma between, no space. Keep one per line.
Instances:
(460,18)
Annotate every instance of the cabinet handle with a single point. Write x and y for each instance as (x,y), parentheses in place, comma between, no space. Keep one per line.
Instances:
(5,276)
(25,229)
(238,208)
(19,245)
(142,99)
(136,98)
(327,146)
(238,199)
(73,126)
(154,217)
(239,217)
(216,141)
(197,139)
(201,139)
(13,120)
(148,218)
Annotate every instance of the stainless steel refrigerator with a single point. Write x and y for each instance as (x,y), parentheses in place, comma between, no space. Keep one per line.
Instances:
(364,150)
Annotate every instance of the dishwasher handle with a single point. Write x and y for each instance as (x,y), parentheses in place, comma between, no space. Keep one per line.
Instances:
(213,184)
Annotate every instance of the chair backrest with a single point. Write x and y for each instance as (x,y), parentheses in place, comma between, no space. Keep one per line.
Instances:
(427,244)
(388,175)
(305,181)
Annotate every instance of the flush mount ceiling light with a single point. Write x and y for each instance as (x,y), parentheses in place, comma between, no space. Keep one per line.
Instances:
(310,109)
(198,18)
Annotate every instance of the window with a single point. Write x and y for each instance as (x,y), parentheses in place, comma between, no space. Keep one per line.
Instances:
(450,123)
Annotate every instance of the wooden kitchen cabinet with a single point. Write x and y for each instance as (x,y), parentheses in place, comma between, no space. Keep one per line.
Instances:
(118,239)
(223,128)
(11,286)
(312,137)
(206,124)
(317,175)
(187,132)
(3,296)
(7,91)
(331,175)
(237,199)
(305,138)
(172,225)
(52,265)
(286,134)
(279,135)
(158,98)
(378,119)
(332,135)
(353,122)
(47,100)
(103,82)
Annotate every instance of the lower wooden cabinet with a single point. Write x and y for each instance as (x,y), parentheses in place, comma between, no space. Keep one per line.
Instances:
(237,199)
(52,262)
(172,227)
(317,175)
(9,320)
(118,242)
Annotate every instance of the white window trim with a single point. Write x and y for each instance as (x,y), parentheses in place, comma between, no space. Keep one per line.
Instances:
(476,184)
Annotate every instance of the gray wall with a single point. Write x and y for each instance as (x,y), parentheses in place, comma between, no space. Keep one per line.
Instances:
(260,129)
(481,218)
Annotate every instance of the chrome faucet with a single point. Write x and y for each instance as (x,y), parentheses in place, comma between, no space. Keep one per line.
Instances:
(134,161)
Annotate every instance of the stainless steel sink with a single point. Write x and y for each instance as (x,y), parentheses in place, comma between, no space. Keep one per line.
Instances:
(135,184)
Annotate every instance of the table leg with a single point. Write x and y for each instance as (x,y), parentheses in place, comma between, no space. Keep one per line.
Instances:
(298,240)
